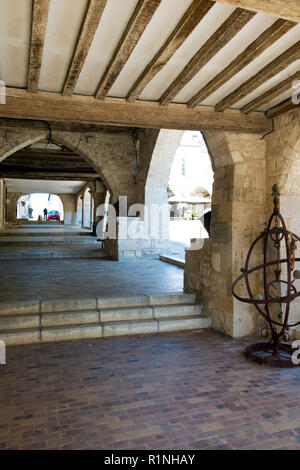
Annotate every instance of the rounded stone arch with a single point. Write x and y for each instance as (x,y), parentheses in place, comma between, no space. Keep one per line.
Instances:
(18,141)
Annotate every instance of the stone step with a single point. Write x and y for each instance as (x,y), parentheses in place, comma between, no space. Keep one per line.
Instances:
(67,319)
(182,310)
(48,241)
(96,330)
(183,323)
(70,305)
(44,253)
(43,233)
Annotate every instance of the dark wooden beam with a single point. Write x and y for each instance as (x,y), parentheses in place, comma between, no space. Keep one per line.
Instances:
(265,40)
(281,108)
(271,94)
(268,72)
(192,17)
(38,28)
(35,163)
(48,176)
(141,17)
(215,43)
(115,111)
(287,9)
(86,35)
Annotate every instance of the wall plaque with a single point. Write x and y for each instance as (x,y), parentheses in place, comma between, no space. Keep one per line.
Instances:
(220,232)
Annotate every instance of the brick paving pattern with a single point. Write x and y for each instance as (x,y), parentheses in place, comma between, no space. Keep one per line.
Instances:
(47,279)
(191,390)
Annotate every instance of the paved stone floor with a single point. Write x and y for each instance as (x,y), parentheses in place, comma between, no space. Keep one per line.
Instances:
(191,390)
(61,278)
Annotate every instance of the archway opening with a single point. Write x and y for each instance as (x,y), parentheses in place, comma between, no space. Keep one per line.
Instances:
(40,207)
(189,193)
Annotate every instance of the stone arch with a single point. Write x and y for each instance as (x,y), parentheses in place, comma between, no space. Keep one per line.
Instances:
(12,141)
(238,217)
(113,157)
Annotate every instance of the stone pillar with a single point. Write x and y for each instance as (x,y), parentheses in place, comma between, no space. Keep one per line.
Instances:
(2,203)
(238,217)
(283,168)
(69,203)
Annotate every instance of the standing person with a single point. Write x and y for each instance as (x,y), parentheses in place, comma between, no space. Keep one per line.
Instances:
(45,213)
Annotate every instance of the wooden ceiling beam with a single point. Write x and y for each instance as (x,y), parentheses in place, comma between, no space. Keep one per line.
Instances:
(86,35)
(48,176)
(192,17)
(27,162)
(40,11)
(269,95)
(215,43)
(117,112)
(271,70)
(141,17)
(265,40)
(287,9)
(281,108)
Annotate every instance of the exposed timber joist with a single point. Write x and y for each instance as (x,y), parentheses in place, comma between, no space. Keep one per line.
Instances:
(265,40)
(268,72)
(287,9)
(117,112)
(141,17)
(281,108)
(271,94)
(54,176)
(40,11)
(192,17)
(86,35)
(215,43)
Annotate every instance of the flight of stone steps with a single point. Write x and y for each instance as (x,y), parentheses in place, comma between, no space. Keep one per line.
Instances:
(47,243)
(60,320)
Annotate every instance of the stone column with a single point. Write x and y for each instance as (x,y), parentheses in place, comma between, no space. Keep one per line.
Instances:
(238,217)
(2,203)
(70,214)
(283,168)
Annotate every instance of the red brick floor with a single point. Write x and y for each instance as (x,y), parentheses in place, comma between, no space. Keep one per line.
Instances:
(192,390)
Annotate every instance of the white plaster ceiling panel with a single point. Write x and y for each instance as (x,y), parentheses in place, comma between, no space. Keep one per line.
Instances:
(64,21)
(153,38)
(209,24)
(43,186)
(111,27)
(280,77)
(225,56)
(15,28)
(284,43)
